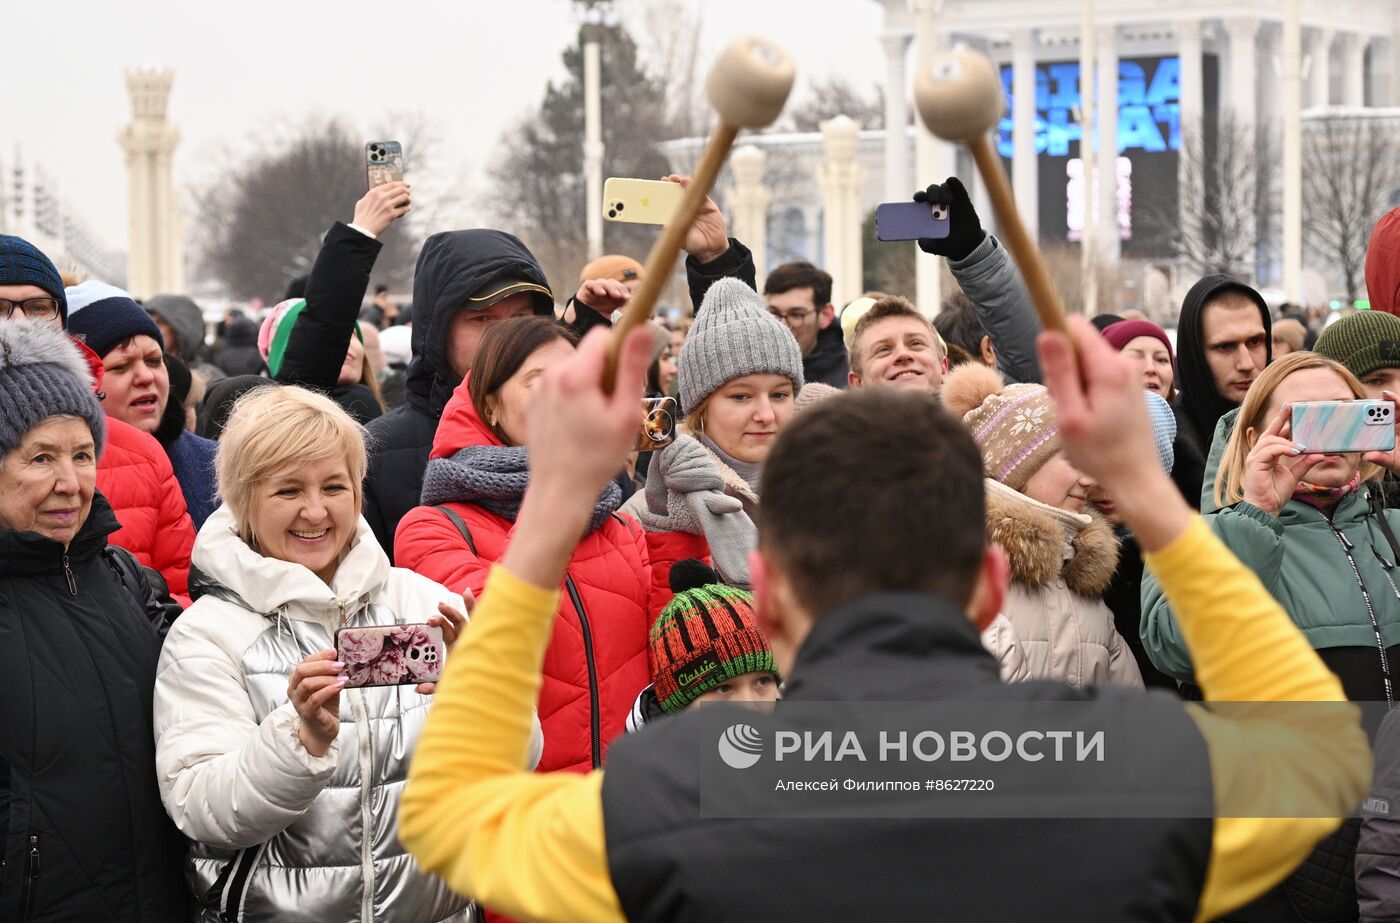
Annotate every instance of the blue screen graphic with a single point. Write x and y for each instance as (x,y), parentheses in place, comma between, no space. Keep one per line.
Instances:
(1149,107)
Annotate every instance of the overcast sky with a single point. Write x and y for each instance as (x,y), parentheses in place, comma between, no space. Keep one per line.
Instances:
(246,70)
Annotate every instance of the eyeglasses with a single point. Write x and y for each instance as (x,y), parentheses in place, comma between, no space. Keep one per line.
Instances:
(793,317)
(32,308)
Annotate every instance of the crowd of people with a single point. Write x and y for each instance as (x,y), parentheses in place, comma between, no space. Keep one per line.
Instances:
(861,504)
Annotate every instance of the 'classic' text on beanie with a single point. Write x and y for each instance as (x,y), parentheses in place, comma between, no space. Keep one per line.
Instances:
(705,636)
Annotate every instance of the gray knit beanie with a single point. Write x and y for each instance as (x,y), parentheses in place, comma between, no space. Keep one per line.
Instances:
(42,375)
(734,335)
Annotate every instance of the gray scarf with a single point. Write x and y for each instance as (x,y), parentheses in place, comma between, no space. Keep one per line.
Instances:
(494,478)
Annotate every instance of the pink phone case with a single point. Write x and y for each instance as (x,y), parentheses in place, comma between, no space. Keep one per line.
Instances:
(391,655)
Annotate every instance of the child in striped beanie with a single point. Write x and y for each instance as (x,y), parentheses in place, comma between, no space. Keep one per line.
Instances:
(705,647)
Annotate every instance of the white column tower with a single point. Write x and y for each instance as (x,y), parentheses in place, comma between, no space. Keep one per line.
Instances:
(933,157)
(840,177)
(156,261)
(896,38)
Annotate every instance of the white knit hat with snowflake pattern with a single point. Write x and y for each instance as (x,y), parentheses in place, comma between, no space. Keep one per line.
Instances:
(1013,424)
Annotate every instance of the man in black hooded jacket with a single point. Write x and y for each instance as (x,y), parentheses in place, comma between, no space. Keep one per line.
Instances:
(1223,343)
(465,283)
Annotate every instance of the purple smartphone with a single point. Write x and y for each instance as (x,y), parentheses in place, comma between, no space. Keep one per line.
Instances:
(391,655)
(910,221)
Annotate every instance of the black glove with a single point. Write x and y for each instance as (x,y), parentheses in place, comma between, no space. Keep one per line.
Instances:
(965,232)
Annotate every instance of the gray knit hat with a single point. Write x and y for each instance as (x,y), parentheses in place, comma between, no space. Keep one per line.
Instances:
(42,375)
(734,335)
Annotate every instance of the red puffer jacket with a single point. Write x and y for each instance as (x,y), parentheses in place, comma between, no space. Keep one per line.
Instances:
(596,663)
(135,476)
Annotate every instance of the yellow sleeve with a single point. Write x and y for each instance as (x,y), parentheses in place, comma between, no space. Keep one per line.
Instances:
(1245,649)
(529,846)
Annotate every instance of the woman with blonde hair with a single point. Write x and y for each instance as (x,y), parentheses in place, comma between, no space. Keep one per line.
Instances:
(286,780)
(1305,523)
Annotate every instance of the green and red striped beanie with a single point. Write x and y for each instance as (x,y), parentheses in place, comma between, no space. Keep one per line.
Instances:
(704,637)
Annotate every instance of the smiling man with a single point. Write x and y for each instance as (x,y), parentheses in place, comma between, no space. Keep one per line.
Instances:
(1223,343)
(894,346)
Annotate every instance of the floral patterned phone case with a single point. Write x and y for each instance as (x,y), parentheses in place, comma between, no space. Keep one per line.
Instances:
(391,655)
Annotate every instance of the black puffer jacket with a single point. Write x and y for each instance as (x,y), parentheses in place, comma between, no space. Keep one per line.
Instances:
(85,836)
(452,267)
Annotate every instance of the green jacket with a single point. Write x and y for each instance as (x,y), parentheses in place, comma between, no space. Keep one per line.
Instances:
(1302,564)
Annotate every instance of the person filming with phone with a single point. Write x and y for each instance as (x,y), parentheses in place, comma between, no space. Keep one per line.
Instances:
(1300,516)
(597,659)
(284,773)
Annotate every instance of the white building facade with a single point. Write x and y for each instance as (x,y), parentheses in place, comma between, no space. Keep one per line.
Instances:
(32,206)
(1163,73)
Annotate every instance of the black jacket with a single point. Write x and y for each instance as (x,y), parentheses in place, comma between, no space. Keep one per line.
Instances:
(85,836)
(670,861)
(238,354)
(1124,599)
(452,267)
(736,262)
(828,362)
(317,344)
(1201,403)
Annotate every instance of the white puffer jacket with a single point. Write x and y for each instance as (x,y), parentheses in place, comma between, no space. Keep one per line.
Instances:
(280,834)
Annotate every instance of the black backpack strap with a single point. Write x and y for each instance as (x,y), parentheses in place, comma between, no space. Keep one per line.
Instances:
(1378,508)
(461,527)
(145,585)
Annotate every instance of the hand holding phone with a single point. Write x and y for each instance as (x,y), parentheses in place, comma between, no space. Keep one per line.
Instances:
(911,221)
(641,201)
(383,162)
(391,655)
(1344,426)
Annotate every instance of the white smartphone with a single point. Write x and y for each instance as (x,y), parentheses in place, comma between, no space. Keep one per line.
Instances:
(640,201)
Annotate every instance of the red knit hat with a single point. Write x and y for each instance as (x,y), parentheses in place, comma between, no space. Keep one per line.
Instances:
(1125,331)
(1383,264)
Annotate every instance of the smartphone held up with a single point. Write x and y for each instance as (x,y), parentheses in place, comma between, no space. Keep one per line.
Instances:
(383,162)
(391,655)
(641,201)
(911,221)
(1343,426)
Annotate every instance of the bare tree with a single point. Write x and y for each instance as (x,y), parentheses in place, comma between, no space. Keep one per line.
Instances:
(261,216)
(825,100)
(538,184)
(1352,172)
(1228,215)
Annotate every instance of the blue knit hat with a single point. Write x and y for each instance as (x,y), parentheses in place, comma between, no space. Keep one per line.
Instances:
(43,374)
(1163,420)
(22,263)
(103,316)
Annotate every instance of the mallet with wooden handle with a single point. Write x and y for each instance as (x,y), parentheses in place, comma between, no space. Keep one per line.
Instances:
(959,98)
(747,86)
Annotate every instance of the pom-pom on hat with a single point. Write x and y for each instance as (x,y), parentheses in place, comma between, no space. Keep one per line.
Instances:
(103,316)
(1014,425)
(733,336)
(704,637)
(43,374)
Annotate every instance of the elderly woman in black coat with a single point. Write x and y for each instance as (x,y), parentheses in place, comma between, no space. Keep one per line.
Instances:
(83,834)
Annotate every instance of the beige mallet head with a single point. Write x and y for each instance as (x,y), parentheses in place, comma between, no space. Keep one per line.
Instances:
(750,82)
(959,95)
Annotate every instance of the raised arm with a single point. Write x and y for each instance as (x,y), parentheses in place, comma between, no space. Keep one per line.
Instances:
(530,846)
(989,279)
(336,287)
(1242,643)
